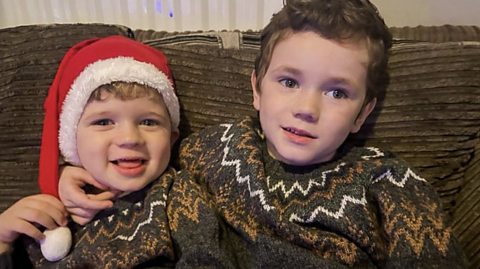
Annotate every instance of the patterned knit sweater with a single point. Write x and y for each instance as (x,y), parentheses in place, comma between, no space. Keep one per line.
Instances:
(233,206)
(154,227)
(366,208)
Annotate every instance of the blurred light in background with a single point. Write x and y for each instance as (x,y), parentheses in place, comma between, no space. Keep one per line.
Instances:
(168,15)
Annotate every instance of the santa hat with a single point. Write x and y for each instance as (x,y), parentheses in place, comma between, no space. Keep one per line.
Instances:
(84,68)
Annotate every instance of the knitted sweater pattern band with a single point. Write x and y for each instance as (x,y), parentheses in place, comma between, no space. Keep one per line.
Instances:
(365,208)
(157,226)
(130,233)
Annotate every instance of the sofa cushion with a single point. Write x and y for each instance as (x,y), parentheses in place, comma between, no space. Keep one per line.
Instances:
(213,84)
(430,114)
(29,57)
(444,33)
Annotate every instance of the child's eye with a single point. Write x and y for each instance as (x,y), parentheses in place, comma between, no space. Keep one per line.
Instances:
(102,122)
(289,83)
(150,122)
(337,93)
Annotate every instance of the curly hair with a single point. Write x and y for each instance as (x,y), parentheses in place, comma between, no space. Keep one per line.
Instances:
(339,20)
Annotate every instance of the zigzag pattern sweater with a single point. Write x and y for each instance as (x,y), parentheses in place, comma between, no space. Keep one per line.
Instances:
(167,224)
(243,209)
(366,208)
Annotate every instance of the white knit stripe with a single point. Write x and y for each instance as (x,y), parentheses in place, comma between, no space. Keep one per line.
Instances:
(237,164)
(344,203)
(377,153)
(346,200)
(146,221)
(297,186)
(102,72)
(401,182)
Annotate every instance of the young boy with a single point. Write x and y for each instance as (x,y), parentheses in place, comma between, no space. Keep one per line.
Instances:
(288,189)
(113,111)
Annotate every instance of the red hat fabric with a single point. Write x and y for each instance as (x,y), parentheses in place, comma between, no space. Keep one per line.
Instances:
(84,68)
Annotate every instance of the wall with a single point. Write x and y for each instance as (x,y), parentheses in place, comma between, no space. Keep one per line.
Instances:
(429,12)
(181,15)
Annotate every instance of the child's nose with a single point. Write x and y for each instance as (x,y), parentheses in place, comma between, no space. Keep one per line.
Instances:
(129,136)
(307,108)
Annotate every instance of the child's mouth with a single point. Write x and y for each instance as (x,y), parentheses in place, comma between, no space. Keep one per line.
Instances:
(297,136)
(130,167)
(299,132)
(128,163)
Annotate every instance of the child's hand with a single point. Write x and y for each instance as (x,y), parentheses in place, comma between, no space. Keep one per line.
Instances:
(83,215)
(82,207)
(21,217)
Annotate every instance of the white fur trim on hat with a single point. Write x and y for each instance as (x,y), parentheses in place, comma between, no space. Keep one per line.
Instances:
(102,72)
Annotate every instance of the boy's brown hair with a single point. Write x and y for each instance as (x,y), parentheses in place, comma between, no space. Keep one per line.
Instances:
(340,20)
(126,91)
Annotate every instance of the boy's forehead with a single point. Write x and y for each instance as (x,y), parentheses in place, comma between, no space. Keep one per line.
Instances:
(307,42)
(109,103)
(143,92)
(359,43)
(308,56)
(126,92)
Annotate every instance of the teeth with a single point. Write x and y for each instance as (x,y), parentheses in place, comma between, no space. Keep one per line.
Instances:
(291,130)
(128,161)
(294,131)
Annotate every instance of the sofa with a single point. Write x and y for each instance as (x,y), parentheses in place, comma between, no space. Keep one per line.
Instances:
(430,114)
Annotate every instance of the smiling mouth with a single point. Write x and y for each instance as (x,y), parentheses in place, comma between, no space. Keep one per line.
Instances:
(129,163)
(130,168)
(299,132)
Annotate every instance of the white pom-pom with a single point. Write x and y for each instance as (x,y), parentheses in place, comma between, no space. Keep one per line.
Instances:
(56,244)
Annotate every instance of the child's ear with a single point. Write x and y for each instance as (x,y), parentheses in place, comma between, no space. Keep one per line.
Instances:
(256,94)
(366,110)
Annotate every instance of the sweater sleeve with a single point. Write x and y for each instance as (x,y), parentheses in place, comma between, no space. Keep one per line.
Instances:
(412,221)
(195,226)
(192,151)
(198,150)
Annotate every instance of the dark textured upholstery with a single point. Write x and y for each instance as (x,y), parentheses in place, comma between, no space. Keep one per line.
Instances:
(430,114)
(445,33)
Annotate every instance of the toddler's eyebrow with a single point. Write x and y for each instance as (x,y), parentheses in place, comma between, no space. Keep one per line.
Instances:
(155,114)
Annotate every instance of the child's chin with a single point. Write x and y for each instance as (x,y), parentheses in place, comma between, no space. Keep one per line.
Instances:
(131,189)
(301,163)
(297,161)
